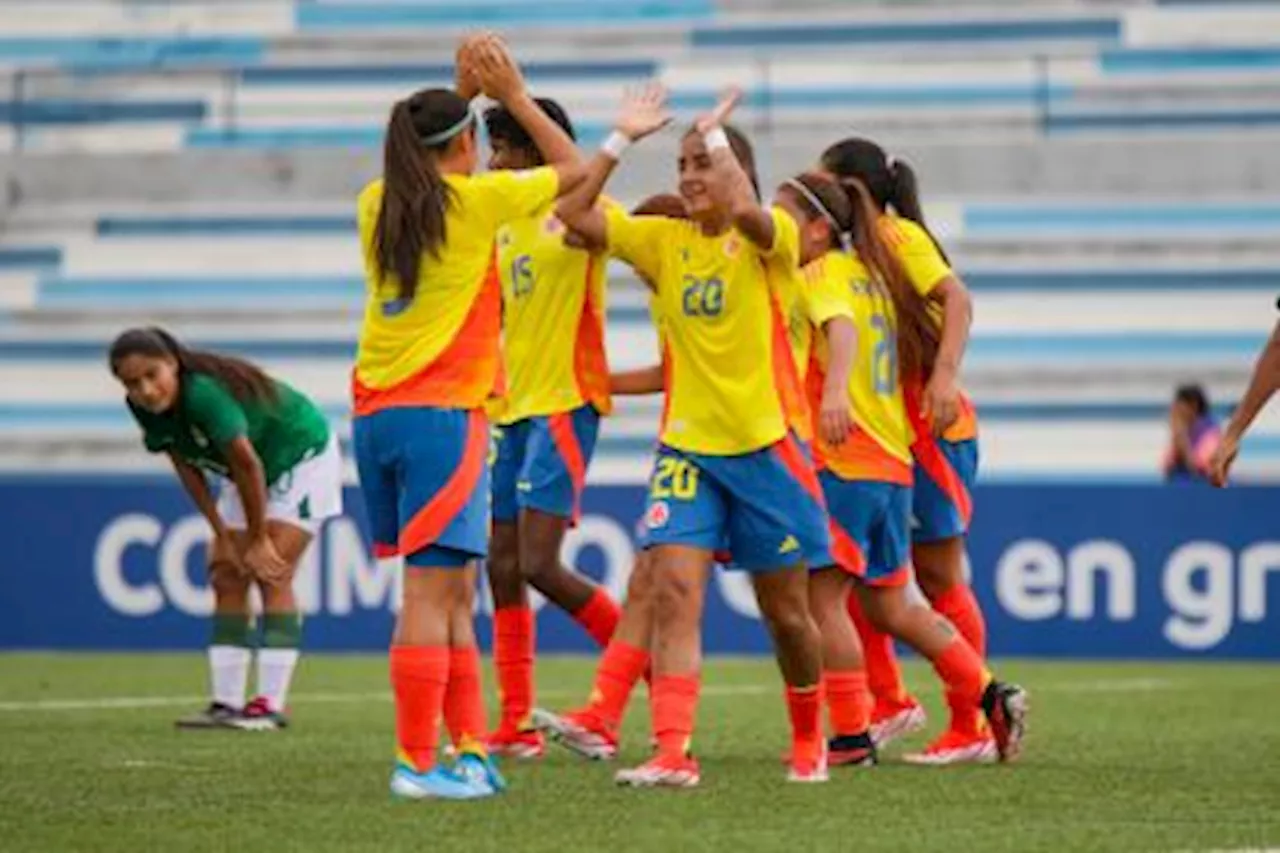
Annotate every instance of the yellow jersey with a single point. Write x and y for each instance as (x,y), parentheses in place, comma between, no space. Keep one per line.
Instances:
(553,317)
(880,447)
(731,385)
(442,347)
(927,269)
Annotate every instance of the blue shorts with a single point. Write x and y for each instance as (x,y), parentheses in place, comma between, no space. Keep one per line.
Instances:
(541,463)
(425,483)
(766,505)
(942,505)
(869,528)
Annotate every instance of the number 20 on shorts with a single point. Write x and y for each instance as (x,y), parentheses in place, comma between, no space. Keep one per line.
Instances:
(675,478)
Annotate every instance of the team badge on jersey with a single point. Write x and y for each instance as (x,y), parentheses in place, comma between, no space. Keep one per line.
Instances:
(658,515)
(553,225)
(732,246)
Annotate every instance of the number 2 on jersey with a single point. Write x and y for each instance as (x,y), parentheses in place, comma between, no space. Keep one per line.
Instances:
(884,360)
(675,478)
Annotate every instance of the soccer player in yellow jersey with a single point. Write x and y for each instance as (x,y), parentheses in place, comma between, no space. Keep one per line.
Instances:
(727,468)
(427,361)
(945,451)
(871,324)
(592,730)
(553,298)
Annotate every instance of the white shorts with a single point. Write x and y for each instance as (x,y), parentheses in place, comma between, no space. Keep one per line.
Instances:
(304,496)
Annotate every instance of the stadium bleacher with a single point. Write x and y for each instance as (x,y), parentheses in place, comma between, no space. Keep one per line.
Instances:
(1095,293)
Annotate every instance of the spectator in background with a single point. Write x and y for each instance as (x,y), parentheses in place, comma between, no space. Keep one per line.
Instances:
(1194,435)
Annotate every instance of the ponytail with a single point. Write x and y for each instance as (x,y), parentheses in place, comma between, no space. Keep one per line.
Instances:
(415,197)
(905,198)
(891,181)
(917,333)
(245,381)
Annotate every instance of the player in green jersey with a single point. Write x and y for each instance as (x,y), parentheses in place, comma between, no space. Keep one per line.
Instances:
(280,474)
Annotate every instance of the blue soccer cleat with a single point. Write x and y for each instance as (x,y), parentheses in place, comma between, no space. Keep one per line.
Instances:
(476,765)
(439,783)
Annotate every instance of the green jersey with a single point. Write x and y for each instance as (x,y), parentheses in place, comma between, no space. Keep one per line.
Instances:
(207,418)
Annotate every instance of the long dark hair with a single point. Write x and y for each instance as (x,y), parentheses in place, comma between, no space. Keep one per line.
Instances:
(501,124)
(415,197)
(917,332)
(245,381)
(891,181)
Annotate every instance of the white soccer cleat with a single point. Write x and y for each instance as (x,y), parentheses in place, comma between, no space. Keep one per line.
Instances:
(957,748)
(578,733)
(662,772)
(907,720)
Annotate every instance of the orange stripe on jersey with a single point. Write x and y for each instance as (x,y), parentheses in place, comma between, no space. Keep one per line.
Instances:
(814,379)
(566,441)
(963,428)
(786,377)
(590,365)
(666,387)
(859,457)
(794,460)
(463,376)
(430,522)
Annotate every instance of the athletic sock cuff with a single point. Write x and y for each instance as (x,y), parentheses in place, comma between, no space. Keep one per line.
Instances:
(281,630)
(231,629)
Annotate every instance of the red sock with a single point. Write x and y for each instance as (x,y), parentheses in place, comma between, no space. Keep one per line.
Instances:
(848,701)
(675,706)
(464,711)
(884,676)
(962,671)
(804,706)
(419,676)
(620,668)
(599,617)
(514,639)
(960,607)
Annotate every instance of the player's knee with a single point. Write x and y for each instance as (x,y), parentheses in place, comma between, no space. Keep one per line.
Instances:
(934,584)
(227,582)
(675,598)
(888,617)
(537,565)
(640,587)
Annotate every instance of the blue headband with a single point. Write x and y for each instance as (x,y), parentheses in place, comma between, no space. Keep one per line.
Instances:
(450,132)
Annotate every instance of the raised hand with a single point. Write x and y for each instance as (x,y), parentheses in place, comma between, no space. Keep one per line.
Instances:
(644,111)
(499,74)
(466,78)
(720,112)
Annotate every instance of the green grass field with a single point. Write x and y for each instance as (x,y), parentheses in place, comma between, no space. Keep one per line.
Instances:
(1121,757)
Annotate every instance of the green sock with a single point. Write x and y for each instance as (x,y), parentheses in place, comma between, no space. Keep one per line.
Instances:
(281,630)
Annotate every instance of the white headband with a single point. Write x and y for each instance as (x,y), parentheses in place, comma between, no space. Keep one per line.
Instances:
(813,199)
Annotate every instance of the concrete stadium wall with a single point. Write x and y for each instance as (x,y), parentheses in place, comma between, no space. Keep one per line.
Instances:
(1192,165)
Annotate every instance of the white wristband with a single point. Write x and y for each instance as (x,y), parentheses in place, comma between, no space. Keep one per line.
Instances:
(716,138)
(616,143)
